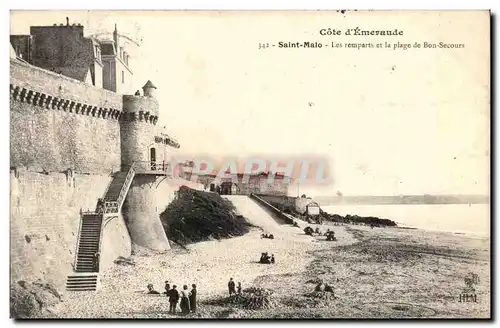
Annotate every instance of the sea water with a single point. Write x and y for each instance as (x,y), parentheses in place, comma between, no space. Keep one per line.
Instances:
(458,218)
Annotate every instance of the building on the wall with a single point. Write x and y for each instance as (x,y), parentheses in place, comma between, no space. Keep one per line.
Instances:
(117,73)
(65,50)
(307,206)
(22,46)
(261,184)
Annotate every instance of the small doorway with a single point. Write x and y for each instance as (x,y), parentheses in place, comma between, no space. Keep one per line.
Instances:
(152,158)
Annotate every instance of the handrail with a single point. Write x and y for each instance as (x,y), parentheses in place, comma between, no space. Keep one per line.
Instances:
(78,240)
(278,212)
(100,242)
(113,207)
(151,166)
(126,185)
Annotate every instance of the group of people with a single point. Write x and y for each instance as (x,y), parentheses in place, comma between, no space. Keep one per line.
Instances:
(187,298)
(266,259)
(270,236)
(232,287)
(330,235)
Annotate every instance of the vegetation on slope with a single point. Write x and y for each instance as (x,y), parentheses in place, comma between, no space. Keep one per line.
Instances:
(350,219)
(196,216)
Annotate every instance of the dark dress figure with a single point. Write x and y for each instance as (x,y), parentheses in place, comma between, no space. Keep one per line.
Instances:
(185,300)
(192,298)
(173,298)
(231,287)
(96,262)
(239,288)
(167,288)
(272,259)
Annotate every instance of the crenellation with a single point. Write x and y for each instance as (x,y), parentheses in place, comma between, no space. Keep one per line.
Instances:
(36,98)
(48,103)
(22,96)
(15,93)
(29,97)
(42,100)
(55,103)
(65,105)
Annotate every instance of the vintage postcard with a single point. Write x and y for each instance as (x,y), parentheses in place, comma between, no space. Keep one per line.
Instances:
(250,164)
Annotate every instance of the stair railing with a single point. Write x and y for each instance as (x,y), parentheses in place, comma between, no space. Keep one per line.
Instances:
(101,217)
(78,240)
(126,185)
(112,207)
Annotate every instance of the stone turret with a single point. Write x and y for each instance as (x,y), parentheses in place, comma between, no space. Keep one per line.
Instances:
(149,89)
(138,148)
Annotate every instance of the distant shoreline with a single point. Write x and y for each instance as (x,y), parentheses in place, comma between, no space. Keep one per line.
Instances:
(403,200)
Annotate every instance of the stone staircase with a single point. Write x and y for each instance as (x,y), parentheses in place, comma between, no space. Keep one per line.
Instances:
(86,265)
(115,187)
(117,190)
(88,243)
(83,282)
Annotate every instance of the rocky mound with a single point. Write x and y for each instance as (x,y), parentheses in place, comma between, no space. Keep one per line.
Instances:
(354,219)
(32,300)
(196,216)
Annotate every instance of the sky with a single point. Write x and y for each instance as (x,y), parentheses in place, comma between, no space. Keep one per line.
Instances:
(389,121)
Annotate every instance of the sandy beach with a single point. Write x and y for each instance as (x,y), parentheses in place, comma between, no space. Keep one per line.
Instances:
(375,273)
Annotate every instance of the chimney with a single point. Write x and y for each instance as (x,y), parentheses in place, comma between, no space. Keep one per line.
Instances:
(115,37)
(67,21)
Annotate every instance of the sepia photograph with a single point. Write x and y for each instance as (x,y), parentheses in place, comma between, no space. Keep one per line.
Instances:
(232,164)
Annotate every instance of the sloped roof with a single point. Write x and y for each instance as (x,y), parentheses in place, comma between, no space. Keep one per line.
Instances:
(149,85)
(75,72)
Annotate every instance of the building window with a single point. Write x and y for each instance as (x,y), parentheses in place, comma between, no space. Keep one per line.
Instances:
(123,77)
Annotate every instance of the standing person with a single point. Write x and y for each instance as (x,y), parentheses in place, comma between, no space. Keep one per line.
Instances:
(167,288)
(239,288)
(96,262)
(173,299)
(192,298)
(185,300)
(231,286)
(272,258)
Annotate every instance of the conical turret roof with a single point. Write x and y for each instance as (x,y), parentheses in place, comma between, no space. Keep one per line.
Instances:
(149,85)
